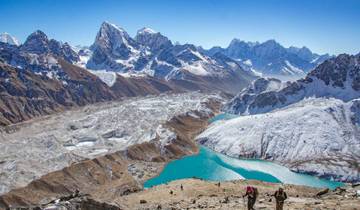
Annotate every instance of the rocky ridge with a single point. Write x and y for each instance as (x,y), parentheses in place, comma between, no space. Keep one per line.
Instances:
(337,77)
(271,59)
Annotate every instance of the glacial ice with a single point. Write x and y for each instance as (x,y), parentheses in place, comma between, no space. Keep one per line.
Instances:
(39,146)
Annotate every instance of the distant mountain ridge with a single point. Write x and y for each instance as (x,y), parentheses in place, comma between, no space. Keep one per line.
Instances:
(337,77)
(154,54)
(270,58)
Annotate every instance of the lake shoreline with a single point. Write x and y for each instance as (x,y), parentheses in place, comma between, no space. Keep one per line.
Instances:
(213,166)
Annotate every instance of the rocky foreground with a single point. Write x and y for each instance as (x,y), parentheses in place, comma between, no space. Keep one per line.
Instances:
(198,194)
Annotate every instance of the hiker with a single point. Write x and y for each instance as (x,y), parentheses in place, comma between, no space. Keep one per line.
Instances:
(181,187)
(251,193)
(280,197)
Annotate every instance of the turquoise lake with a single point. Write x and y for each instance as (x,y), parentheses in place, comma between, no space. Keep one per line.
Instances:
(222,116)
(213,166)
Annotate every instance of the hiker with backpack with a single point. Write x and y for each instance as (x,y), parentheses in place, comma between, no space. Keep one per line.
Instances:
(251,193)
(280,197)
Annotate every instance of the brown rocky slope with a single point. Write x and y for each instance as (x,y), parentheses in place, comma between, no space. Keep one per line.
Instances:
(25,95)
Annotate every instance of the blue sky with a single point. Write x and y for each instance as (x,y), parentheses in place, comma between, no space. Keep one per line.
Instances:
(325,26)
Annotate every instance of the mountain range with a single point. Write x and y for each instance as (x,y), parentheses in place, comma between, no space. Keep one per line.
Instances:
(44,75)
(270,58)
(149,63)
(153,54)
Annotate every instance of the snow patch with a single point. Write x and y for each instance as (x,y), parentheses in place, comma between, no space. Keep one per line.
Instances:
(248,62)
(146,30)
(7,38)
(108,77)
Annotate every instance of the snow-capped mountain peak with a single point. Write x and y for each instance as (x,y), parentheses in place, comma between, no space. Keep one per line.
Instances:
(113,49)
(37,42)
(271,43)
(152,39)
(146,30)
(7,38)
(272,59)
(113,36)
(39,55)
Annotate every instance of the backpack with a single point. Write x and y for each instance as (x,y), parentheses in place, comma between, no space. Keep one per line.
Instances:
(253,190)
(281,196)
(256,191)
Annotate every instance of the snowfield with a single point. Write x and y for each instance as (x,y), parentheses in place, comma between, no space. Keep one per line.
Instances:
(108,77)
(7,38)
(316,135)
(37,147)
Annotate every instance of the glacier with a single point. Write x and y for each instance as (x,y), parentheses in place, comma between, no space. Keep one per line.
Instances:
(39,146)
(319,136)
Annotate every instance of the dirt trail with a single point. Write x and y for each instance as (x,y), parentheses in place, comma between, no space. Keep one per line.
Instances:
(198,194)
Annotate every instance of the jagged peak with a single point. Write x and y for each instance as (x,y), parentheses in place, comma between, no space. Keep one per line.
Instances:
(339,71)
(146,30)
(36,42)
(152,39)
(37,33)
(303,49)
(271,42)
(237,41)
(111,35)
(108,25)
(7,38)
(111,31)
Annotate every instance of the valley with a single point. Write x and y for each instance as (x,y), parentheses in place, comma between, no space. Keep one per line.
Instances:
(138,121)
(110,174)
(37,147)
